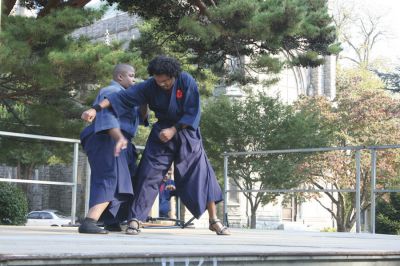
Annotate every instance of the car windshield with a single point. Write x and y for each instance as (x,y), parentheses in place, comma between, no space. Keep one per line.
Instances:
(59,214)
(33,215)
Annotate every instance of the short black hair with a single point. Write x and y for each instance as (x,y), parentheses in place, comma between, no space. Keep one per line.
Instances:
(121,69)
(164,65)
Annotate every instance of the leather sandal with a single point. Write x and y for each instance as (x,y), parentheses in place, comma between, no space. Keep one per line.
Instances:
(223,230)
(133,229)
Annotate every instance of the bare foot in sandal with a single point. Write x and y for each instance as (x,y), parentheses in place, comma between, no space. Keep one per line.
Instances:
(133,227)
(217,227)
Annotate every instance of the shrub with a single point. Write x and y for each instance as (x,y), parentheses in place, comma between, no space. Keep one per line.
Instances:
(329,229)
(14,205)
(386,226)
(388,215)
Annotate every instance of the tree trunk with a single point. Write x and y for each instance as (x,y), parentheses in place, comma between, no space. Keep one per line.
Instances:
(253,219)
(9,4)
(341,227)
(343,224)
(340,215)
(19,170)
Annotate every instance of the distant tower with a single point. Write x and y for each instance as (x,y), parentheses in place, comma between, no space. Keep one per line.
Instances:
(321,79)
(107,38)
(330,76)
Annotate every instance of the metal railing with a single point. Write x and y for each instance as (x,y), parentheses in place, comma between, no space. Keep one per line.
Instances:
(357,189)
(74,182)
(226,155)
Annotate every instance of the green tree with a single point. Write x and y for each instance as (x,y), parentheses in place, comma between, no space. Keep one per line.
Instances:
(44,82)
(250,36)
(391,79)
(388,214)
(259,123)
(362,115)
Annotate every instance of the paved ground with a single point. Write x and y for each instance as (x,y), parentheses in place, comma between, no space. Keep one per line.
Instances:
(22,243)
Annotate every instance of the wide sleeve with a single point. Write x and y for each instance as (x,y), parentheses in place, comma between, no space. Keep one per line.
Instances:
(191,105)
(105,119)
(126,100)
(144,121)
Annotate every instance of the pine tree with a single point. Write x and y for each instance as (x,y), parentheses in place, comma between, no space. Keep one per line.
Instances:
(253,36)
(44,78)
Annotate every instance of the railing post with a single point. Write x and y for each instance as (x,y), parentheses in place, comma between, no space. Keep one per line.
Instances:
(87,186)
(178,209)
(74,181)
(226,189)
(358,191)
(373,185)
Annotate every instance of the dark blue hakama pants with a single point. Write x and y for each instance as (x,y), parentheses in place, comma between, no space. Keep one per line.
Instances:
(195,180)
(111,177)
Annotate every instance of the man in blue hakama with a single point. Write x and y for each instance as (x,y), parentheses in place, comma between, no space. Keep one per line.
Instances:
(175,138)
(111,188)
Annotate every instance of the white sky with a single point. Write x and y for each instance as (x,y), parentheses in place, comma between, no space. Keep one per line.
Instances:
(391,45)
(96,3)
(388,47)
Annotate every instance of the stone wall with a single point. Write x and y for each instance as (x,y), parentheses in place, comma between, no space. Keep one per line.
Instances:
(121,27)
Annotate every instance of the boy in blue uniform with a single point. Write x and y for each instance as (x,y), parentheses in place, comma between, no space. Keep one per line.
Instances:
(174,97)
(111,188)
(167,189)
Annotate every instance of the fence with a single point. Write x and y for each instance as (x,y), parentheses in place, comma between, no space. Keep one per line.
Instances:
(372,149)
(73,184)
(357,189)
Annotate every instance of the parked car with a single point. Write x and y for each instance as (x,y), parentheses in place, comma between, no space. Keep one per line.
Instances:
(47,217)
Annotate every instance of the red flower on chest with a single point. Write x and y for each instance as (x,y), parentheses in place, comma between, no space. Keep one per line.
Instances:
(179,94)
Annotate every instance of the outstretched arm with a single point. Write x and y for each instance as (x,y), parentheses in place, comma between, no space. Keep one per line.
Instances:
(90,114)
(120,101)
